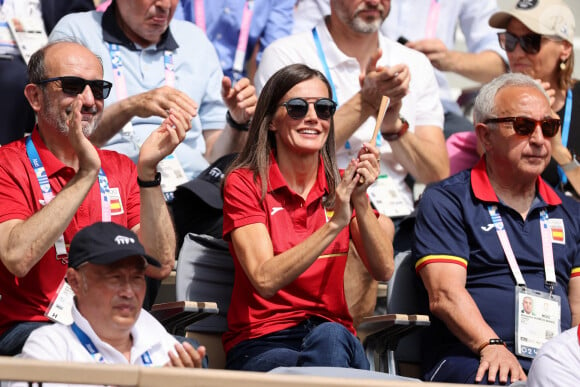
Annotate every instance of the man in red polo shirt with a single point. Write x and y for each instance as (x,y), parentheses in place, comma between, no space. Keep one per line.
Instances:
(55,182)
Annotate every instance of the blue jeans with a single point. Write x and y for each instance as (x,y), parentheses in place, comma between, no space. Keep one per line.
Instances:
(12,341)
(312,343)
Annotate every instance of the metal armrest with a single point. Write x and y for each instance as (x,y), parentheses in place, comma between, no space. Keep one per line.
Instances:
(176,316)
(381,334)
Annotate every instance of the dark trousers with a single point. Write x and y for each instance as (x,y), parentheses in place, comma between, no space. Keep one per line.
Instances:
(12,341)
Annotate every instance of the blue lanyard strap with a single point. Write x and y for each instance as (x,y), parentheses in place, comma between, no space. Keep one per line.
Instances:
(47,192)
(39,170)
(94,352)
(324,63)
(566,130)
(87,343)
(326,69)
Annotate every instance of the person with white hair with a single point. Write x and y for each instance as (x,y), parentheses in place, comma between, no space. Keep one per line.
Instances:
(488,237)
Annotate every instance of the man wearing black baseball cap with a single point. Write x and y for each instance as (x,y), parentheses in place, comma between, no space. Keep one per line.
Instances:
(107,274)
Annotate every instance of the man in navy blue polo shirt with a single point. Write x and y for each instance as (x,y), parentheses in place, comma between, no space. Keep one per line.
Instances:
(489,237)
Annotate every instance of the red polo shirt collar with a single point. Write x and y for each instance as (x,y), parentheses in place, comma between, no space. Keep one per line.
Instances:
(52,165)
(483,190)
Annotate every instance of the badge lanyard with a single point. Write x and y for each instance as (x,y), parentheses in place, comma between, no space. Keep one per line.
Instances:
(322,57)
(48,194)
(548,253)
(566,130)
(94,352)
(121,84)
(432,19)
(243,37)
(170,168)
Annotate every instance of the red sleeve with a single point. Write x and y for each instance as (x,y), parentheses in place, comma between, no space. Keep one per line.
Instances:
(122,174)
(241,201)
(19,186)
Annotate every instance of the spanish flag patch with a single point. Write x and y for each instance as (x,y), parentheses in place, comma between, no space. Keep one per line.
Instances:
(557,230)
(116,203)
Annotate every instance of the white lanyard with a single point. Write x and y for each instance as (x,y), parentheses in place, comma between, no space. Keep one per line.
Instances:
(48,194)
(548,253)
(240,56)
(119,76)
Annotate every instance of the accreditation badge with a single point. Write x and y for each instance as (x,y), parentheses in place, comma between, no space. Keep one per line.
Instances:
(172,175)
(388,199)
(537,319)
(29,35)
(60,308)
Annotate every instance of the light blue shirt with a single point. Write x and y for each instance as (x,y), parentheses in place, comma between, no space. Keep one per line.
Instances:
(197,73)
(271,20)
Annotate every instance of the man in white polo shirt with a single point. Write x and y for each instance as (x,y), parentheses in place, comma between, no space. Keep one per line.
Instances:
(107,274)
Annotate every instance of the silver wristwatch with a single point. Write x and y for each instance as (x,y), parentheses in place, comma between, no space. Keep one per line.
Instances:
(571,165)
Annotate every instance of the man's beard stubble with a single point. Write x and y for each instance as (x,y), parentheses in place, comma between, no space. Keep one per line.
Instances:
(56,119)
(356,22)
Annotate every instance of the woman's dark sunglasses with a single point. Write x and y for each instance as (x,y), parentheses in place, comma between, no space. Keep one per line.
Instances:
(525,126)
(297,108)
(530,43)
(76,85)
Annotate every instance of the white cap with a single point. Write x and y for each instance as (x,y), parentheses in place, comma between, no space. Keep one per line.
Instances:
(544,17)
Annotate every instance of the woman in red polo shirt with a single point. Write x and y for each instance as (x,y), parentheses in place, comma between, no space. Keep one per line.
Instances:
(288,218)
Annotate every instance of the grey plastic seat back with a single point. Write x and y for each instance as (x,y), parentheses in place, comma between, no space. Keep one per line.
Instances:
(406,295)
(205,272)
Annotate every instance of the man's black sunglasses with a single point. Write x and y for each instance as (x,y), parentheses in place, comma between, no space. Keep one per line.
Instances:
(76,85)
(525,126)
(297,108)
(530,43)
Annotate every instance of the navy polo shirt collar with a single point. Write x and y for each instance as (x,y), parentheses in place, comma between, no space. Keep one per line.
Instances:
(483,190)
(112,33)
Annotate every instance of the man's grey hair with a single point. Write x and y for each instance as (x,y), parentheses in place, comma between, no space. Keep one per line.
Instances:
(485,102)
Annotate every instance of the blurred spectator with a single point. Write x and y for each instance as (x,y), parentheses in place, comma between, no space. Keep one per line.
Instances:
(238,27)
(538,39)
(430,26)
(158,66)
(17,116)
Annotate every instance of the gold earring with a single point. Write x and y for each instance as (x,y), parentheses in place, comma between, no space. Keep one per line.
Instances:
(563,66)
